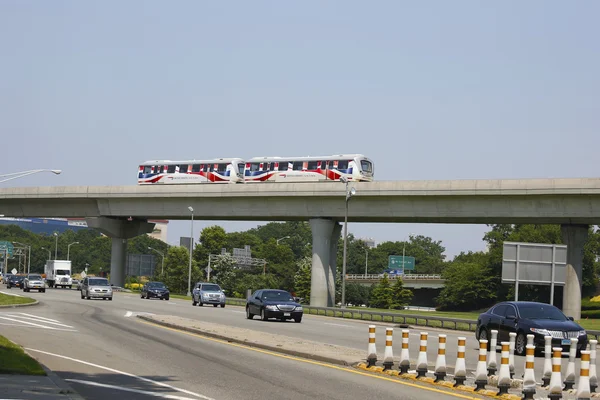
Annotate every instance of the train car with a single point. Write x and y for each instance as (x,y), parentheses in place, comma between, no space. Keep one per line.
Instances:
(355,167)
(220,170)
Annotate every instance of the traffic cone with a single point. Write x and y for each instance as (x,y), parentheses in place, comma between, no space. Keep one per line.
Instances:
(388,356)
(422,358)
(555,386)
(593,376)
(547,360)
(511,353)
(583,386)
(440,363)
(504,373)
(460,369)
(570,374)
(481,373)
(492,365)
(371,349)
(529,376)
(404,355)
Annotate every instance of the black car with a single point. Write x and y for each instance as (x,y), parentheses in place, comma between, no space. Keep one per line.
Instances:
(155,289)
(273,303)
(15,281)
(526,318)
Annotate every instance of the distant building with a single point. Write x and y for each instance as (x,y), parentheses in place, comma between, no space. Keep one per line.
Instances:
(50,225)
(369,242)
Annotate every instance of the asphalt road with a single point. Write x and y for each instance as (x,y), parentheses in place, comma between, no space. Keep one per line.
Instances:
(104,351)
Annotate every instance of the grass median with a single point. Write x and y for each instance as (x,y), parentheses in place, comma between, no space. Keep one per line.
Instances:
(8,300)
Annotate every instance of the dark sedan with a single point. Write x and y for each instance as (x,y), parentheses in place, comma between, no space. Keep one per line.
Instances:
(156,290)
(272,303)
(15,281)
(526,318)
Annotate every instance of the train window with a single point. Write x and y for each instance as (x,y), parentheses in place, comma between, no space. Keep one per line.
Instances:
(222,167)
(254,167)
(342,164)
(283,165)
(196,168)
(171,169)
(366,166)
(241,167)
(183,168)
(312,165)
(297,165)
(272,166)
(158,169)
(147,169)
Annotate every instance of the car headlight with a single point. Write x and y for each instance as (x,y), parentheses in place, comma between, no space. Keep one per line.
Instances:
(298,308)
(582,333)
(271,308)
(540,331)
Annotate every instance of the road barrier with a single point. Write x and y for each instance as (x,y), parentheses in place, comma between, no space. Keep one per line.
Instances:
(394,317)
(493,363)
(593,376)
(503,381)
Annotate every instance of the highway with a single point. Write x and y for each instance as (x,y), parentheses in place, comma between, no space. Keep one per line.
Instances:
(103,351)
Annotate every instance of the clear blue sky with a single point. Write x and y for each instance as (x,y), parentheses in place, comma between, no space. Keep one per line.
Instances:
(428,90)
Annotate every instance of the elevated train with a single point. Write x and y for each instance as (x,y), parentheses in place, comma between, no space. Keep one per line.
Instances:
(354,167)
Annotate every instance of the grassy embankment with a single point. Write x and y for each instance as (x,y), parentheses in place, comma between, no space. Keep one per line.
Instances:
(14,360)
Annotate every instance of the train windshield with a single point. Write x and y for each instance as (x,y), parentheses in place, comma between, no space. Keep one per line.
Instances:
(366,166)
(241,168)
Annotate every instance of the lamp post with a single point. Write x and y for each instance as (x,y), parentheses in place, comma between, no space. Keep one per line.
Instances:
(16,175)
(162,268)
(49,253)
(189,291)
(285,237)
(56,246)
(366,261)
(349,193)
(28,255)
(69,249)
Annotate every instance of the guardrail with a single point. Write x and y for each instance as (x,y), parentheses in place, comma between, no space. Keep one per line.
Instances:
(404,277)
(394,317)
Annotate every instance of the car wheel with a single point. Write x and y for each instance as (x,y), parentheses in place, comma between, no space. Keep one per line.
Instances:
(141,295)
(194,302)
(110,299)
(222,305)
(216,305)
(263,315)
(249,315)
(520,344)
(200,304)
(298,319)
(82,296)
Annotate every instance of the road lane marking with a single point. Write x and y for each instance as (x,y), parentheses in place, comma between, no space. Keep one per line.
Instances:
(307,361)
(31,315)
(122,373)
(239,312)
(12,294)
(332,324)
(104,385)
(47,322)
(37,325)
(134,313)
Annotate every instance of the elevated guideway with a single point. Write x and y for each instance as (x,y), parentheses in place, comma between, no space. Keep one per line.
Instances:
(122,211)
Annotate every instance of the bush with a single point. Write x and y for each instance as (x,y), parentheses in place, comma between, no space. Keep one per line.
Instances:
(592,314)
(590,304)
(133,286)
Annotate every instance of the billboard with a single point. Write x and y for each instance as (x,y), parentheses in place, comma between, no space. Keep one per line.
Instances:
(534,264)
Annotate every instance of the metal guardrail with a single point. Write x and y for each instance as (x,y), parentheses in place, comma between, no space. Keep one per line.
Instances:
(394,317)
(404,277)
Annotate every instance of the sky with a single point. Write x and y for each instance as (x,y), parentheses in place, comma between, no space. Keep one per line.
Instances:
(429,90)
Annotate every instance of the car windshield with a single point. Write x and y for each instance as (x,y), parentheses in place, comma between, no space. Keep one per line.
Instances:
(98,282)
(18,278)
(62,272)
(277,296)
(541,311)
(211,288)
(35,277)
(156,285)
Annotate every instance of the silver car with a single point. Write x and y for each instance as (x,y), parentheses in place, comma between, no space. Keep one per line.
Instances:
(34,281)
(96,288)
(208,293)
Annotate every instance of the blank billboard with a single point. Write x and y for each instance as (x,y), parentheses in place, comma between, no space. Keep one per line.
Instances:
(535,261)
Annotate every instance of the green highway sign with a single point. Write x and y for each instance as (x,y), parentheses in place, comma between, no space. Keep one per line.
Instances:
(396,262)
(6,246)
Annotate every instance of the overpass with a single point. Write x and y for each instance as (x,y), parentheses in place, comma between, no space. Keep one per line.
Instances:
(122,212)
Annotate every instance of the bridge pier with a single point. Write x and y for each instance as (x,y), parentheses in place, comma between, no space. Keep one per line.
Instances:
(119,230)
(574,236)
(325,235)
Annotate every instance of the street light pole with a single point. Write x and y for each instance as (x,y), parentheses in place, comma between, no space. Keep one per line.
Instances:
(162,268)
(56,247)
(366,261)
(189,291)
(28,247)
(16,175)
(285,237)
(49,253)
(349,194)
(69,249)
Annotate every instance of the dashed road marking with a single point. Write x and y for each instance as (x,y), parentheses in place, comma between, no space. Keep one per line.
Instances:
(126,389)
(23,320)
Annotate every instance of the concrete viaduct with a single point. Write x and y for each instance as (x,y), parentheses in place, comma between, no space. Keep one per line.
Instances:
(121,212)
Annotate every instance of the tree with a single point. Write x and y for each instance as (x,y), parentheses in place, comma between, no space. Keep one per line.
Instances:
(401,295)
(177,269)
(383,294)
(212,240)
(468,286)
(357,294)
(302,278)
(223,272)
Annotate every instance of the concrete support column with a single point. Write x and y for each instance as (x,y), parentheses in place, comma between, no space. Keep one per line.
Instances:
(322,230)
(118,261)
(119,230)
(574,236)
(333,250)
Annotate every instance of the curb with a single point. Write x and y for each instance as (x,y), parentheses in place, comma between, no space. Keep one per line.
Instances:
(65,388)
(275,349)
(35,302)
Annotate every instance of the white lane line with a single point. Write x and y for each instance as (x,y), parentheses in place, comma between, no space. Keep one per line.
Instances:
(104,385)
(122,373)
(332,324)
(12,294)
(128,314)
(239,312)
(31,315)
(46,322)
(36,325)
